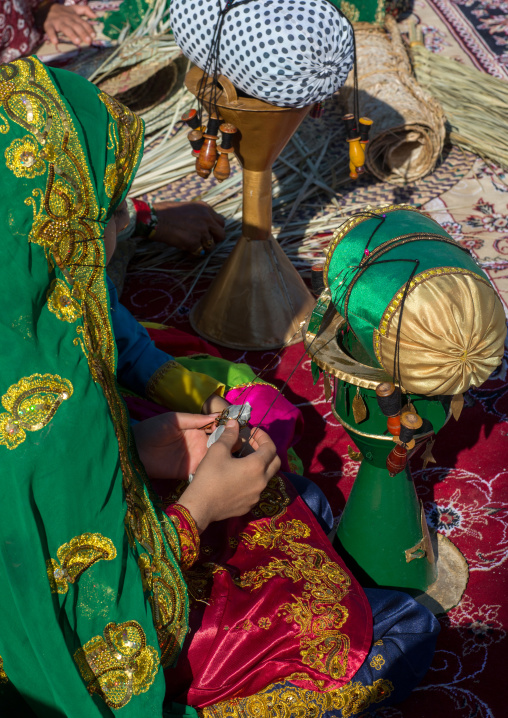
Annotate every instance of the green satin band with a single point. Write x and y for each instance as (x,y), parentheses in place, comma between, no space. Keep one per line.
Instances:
(361,10)
(365,297)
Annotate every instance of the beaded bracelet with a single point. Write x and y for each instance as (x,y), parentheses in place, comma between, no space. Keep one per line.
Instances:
(146,219)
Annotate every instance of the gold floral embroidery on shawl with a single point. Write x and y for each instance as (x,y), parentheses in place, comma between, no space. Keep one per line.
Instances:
(75,557)
(119,665)
(30,405)
(68,224)
(318,612)
(277,701)
(62,302)
(22,157)
(125,135)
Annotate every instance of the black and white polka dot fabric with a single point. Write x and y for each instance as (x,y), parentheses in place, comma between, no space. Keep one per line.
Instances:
(290,53)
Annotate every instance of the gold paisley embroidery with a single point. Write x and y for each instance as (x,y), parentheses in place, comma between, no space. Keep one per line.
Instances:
(161,579)
(75,557)
(125,135)
(273,500)
(62,303)
(68,222)
(187,534)
(119,665)
(377,662)
(7,87)
(288,701)
(68,225)
(317,612)
(3,674)
(30,405)
(22,157)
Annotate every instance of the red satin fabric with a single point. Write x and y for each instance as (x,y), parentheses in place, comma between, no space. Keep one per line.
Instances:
(266,604)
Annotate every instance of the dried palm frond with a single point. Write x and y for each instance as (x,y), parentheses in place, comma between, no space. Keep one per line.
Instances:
(475,104)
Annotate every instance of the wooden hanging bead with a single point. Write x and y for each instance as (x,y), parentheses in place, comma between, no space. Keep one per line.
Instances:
(393,425)
(397,460)
(222,168)
(208,153)
(207,156)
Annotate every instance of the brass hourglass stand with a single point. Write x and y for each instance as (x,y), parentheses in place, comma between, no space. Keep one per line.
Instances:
(257,300)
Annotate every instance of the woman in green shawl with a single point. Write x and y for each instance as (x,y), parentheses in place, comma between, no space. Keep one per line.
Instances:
(92,595)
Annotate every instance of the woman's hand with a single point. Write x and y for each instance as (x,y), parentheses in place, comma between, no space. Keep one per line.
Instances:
(70,22)
(215,404)
(172,445)
(226,486)
(191,226)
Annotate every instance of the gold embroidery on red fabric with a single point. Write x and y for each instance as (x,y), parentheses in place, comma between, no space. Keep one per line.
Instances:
(318,611)
(75,557)
(119,665)
(187,535)
(30,405)
(264,622)
(289,701)
(273,500)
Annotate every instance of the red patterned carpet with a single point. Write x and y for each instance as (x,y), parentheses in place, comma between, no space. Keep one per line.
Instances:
(465,498)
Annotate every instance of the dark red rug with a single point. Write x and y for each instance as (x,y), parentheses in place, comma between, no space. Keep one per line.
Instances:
(465,498)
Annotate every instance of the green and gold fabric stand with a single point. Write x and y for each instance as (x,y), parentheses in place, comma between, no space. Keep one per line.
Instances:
(402,303)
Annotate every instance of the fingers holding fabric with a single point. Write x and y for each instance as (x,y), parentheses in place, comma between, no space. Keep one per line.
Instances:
(225,486)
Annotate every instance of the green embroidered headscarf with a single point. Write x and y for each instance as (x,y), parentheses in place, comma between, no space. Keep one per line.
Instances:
(92,598)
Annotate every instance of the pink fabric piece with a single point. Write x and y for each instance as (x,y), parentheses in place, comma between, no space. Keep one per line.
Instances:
(274,414)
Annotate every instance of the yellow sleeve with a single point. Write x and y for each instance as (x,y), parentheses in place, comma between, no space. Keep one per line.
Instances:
(179,389)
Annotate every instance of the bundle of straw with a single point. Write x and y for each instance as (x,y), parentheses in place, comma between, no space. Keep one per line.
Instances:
(141,71)
(408,131)
(475,104)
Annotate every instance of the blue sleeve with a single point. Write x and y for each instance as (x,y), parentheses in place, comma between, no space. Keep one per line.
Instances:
(138,357)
